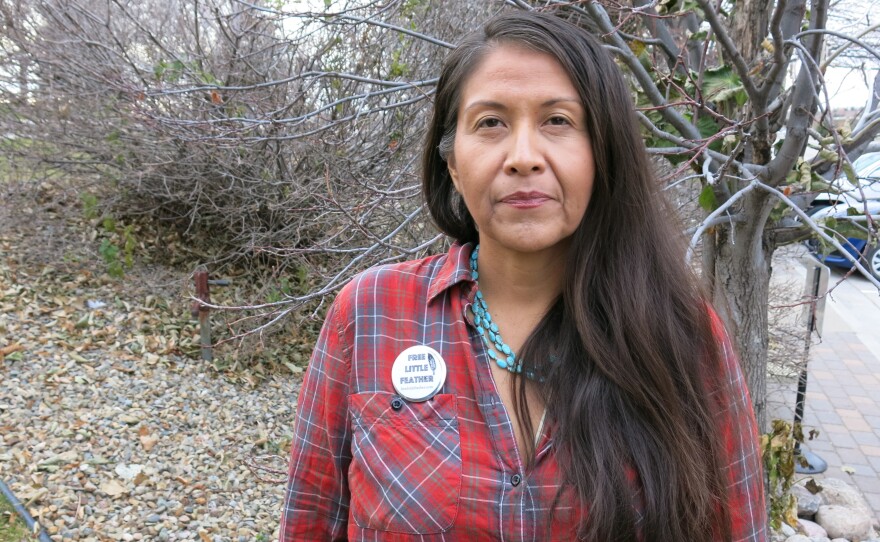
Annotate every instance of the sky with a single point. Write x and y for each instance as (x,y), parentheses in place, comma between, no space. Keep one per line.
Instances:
(847,88)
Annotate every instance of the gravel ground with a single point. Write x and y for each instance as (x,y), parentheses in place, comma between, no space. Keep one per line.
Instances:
(106,431)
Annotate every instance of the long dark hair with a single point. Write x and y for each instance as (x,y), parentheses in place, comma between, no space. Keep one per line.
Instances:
(635,360)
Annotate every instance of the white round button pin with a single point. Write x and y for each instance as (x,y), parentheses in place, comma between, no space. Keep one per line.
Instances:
(418,373)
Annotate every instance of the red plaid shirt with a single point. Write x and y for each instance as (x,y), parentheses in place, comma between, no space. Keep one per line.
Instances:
(447,468)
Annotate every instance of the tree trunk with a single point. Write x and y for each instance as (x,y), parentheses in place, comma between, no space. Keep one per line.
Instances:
(740,294)
(748,28)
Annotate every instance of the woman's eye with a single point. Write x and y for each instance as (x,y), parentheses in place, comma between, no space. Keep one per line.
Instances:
(489,123)
(558,121)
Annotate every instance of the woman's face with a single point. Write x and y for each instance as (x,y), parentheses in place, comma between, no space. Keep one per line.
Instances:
(522,158)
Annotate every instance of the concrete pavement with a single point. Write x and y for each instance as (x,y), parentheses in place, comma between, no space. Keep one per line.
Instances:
(843,386)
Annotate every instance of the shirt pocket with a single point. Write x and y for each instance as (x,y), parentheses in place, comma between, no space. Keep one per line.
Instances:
(405,473)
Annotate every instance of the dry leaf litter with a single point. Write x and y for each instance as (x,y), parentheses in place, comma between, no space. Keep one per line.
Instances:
(106,431)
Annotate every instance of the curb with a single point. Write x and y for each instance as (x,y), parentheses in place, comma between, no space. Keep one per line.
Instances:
(20,509)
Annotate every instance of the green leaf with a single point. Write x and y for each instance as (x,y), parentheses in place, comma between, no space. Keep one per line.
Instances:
(110,253)
(159,69)
(852,211)
(818,184)
(208,79)
(707,199)
(708,128)
(806,173)
(90,205)
(828,155)
(637,47)
(850,173)
(721,84)
(174,71)
(115,269)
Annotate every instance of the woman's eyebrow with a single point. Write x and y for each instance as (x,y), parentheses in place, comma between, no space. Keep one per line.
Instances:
(491,104)
(485,103)
(555,101)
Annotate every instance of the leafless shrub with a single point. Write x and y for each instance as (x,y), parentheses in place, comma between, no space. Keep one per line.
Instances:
(285,134)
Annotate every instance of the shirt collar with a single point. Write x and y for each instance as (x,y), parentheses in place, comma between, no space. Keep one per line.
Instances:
(454,270)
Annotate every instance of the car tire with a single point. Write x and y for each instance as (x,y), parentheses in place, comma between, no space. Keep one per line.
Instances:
(872,257)
(812,243)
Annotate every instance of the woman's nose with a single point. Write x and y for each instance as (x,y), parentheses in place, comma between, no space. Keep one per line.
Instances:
(525,155)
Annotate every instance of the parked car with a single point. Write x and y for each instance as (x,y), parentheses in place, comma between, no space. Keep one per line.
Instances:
(850,208)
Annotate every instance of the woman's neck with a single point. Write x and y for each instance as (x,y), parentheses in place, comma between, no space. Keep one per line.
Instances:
(514,279)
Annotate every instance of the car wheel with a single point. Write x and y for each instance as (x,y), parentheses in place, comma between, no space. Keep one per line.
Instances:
(872,256)
(812,243)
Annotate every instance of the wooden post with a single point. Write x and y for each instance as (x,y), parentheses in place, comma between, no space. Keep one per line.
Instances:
(202,311)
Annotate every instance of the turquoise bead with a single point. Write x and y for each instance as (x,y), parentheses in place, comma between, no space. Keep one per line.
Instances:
(496,348)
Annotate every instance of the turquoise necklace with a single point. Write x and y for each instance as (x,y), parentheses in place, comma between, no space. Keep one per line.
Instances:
(496,348)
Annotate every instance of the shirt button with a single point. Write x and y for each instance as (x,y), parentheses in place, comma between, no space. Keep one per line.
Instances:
(515,480)
(396,403)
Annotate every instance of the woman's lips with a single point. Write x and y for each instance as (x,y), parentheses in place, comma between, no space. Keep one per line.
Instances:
(526,200)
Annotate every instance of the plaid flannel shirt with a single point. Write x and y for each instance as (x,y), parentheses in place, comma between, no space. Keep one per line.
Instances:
(447,468)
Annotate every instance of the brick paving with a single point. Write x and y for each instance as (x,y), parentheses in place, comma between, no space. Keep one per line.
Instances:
(843,403)
(843,386)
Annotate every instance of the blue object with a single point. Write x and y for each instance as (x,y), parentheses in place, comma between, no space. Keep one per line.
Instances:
(496,348)
(855,247)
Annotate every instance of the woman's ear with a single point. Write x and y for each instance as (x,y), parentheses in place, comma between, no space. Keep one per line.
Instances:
(453,172)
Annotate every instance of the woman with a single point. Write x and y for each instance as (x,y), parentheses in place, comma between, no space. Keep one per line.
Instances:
(556,375)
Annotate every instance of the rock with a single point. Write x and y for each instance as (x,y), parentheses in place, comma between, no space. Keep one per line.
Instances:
(787,530)
(837,492)
(813,530)
(807,503)
(798,538)
(129,419)
(840,540)
(777,537)
(843,522)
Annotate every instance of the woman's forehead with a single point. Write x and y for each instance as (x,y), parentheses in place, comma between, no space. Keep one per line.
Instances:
(514,72)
